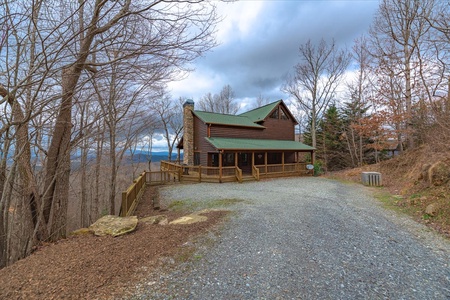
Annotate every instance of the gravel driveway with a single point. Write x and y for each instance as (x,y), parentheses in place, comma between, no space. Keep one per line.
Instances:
(305,238)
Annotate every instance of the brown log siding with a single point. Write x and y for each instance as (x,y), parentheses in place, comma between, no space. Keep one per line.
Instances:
(200,144)
(276,129)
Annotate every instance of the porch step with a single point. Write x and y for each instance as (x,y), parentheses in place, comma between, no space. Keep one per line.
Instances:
(248,178)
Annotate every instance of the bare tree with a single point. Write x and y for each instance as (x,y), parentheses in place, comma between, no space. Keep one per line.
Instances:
(222,103)
(396,34)
(170,117)
(360,93)
(316,79)
(260,101)
(49,49)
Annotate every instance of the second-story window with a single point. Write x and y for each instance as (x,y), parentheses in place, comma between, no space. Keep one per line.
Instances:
(274,115)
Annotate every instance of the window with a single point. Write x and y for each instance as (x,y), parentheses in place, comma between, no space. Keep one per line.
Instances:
(196,158)
(274,158)
(228,159)
(279,113)
(283,115)
(214,159)
(274,115)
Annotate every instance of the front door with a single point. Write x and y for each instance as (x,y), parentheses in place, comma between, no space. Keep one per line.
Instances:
(244,162)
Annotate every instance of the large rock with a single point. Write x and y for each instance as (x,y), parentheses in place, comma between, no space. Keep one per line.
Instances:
(432,209)
(159,219)
(189,219)
(113,225)
(439,173)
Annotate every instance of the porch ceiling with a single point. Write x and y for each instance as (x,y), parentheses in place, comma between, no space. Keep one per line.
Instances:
(257,144)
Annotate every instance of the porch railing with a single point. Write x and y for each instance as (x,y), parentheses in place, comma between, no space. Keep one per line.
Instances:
(282,169)
(200,173)
(238,173)
(255,172)
(232,173)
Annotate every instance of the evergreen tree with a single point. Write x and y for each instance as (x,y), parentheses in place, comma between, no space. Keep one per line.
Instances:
(333,146)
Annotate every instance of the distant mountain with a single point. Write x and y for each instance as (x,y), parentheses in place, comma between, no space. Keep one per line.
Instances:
(143,156)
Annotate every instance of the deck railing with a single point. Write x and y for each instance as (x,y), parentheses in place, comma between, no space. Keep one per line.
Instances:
(238,173)
(132,195)
(200,173)
(173,172)
(233,173)
(255,172)
(282,169)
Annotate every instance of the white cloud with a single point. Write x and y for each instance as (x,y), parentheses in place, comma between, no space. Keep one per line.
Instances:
(259,43)
(239,18)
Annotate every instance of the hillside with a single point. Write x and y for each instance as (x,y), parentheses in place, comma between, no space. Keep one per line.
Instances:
(418,183)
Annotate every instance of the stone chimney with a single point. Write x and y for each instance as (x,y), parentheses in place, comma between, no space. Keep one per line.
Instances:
(188,133)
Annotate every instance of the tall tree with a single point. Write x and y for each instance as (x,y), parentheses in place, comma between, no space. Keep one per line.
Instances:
(316,79)
(170,118)
(333,148)
(222,103)
(398,28)
(49,49)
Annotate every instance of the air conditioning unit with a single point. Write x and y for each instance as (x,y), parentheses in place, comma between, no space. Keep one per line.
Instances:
(371,178)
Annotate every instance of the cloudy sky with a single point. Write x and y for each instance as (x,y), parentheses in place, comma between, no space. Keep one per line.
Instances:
(259,41)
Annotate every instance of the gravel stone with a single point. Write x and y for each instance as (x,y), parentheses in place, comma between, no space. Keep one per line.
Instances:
(305,238)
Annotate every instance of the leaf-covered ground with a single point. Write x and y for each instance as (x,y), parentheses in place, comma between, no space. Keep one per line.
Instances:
(90,267)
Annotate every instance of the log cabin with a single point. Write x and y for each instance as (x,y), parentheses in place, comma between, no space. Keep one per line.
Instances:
(258,143)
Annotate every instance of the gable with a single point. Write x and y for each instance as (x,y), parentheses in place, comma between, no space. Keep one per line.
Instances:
(277,110)
(260,113)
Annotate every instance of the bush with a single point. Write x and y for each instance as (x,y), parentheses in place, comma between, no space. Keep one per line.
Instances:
(318,170)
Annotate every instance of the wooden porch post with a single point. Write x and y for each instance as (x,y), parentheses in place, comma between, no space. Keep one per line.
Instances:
(265,162)
(220,166)
(253,159)
(235,159)
(282,161)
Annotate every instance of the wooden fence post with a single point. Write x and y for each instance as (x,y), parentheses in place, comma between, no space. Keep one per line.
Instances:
(124,204)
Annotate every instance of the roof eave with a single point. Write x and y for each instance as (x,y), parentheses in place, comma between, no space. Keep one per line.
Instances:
(235,125)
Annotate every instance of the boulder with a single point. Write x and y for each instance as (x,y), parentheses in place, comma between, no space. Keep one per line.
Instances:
(159,219)
(432,209)
(189,219)
(439,173)
(113,225)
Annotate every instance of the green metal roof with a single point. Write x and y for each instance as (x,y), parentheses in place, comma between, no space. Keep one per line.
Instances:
(257,144)
(260,113)
(222,119)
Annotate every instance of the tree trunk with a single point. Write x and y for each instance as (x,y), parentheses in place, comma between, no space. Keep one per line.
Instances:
(56,185)
(98,161)
(113,174)
(84,189)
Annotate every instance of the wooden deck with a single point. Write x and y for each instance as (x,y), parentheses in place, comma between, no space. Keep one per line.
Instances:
(234,173)
(172,172)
